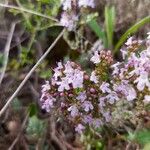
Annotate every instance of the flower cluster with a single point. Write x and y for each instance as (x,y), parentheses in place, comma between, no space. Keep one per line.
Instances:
(70,17)
(92,100)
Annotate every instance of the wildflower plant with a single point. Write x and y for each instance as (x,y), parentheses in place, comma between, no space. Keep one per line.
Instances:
(72,16)
(97,99)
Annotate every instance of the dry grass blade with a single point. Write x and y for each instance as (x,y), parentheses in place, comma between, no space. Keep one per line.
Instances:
(30,73)
(6,51)
(28,11)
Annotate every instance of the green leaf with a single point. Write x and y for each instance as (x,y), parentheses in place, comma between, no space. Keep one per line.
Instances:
(98,31)
(143,137)
(130,31)
(32,109)
(110,24)
(16,104)
(35,127)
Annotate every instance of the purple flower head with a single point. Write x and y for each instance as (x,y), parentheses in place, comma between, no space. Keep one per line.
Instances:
(87,106)
(82,96)
(115,68)
(78,77)
(112,97)
(101,102)
(97,123)
(46,87)
(63,85)
(105,87)
(70,76)
(131,94)
(88,119)
(68,68)
(66,4)
(73,110)
(107,116)
(142,81)
(47,102)
(125,89)
(80,128)
(69,21)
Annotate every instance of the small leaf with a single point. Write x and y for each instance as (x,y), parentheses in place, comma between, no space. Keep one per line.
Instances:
(110,24)
(32,110)
(98,31)
(35,127)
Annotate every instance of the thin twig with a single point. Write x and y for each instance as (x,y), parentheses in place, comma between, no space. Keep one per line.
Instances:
(30,73)
(19,134)
(6,51)
(28,11)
